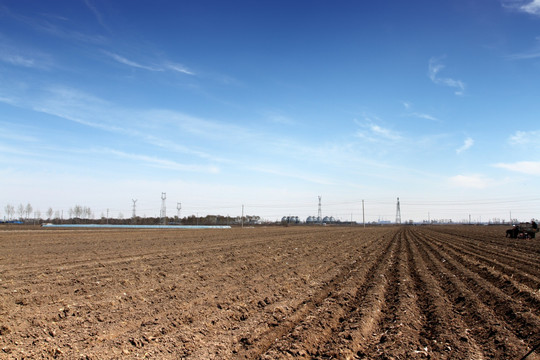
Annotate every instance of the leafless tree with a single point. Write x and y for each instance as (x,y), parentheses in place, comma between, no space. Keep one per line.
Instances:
(49,213)
(87,212)
(37,216)
(10,211)
(20,211)
(78,211)
(28,210)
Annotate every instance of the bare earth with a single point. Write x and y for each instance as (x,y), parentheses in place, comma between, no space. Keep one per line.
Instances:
(463,292)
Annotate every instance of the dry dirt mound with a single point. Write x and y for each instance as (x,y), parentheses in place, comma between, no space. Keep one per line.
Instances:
(270,293)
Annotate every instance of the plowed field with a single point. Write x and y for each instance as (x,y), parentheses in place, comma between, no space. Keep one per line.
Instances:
(463,292)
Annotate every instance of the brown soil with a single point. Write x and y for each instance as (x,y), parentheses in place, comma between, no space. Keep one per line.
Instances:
(462,292)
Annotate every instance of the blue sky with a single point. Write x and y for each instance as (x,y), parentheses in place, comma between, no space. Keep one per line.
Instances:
(271,104)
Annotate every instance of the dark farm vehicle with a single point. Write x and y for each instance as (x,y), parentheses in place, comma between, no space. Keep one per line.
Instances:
(522,231)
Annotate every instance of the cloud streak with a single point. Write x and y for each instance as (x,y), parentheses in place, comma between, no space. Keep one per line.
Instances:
(435,67)
(125,61)
(175,67)
(424,116)
(375,133)
(161,163)
(525,138)
(18,55)
(469,142)
(523,167)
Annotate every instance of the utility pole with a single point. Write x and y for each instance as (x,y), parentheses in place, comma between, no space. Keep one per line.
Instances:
(319,212)
(363,214)
(398,212)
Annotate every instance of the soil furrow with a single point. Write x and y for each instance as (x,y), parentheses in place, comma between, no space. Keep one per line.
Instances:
(526,265)
(521,289)
(302,334)
(302,292)
(443,332)
(486,323)
(503,252)
(362,314)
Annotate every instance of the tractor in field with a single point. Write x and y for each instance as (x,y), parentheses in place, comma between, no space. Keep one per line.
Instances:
(526,230)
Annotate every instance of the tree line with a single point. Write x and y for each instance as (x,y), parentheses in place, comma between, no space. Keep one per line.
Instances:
(79,214)
(26,213)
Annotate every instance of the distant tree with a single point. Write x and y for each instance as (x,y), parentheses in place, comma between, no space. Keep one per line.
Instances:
(10,211)
(28,210)
(37,216)
(49,213)
(20,211)
(87,212)
(78,211)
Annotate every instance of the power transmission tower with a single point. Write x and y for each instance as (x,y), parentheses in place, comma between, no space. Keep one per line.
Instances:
(179,207)
(319,212)
(134,214)
(163,213)
(398,213)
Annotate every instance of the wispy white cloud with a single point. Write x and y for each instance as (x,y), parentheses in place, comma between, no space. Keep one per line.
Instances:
(125,61)
(161,163)
(424,116)
(525,138)
(532,7)
(475,181)
(146,126)
(49,23)
(527,6)
(14,136)
(19,55)
(374,132)
(166,66)
(97,14)
(18,60)
(532,53)
(278,118)
(524,167)
(435,67)
(179,68)
(420,115)
(8,100)
(468,143)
